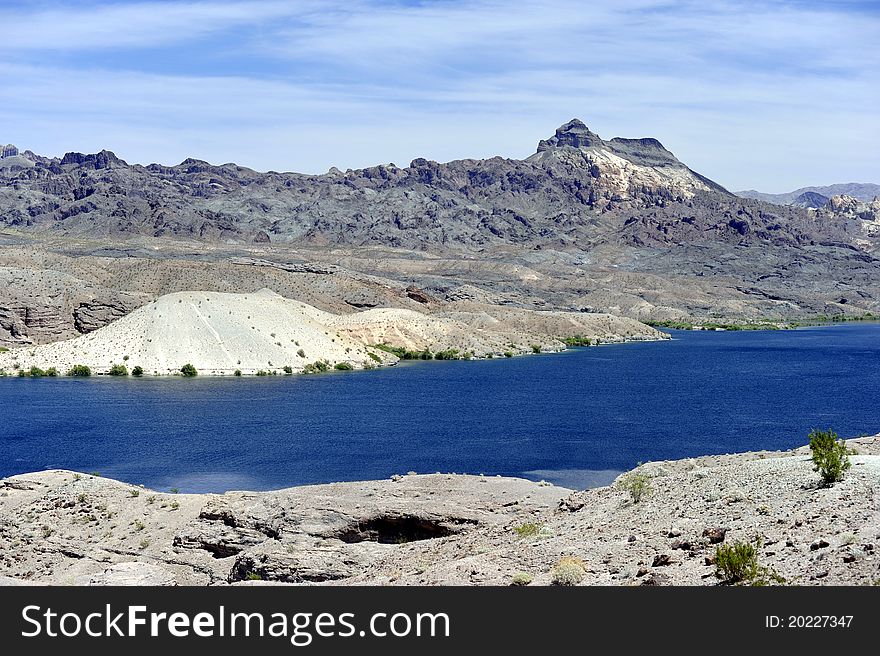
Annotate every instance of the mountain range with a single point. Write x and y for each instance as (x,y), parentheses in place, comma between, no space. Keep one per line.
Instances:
(584,223)
(817,196)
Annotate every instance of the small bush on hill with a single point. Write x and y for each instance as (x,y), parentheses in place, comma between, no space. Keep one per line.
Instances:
(118,370)
(570,570)
(638,485)
(342,366)
(527,530)
(79,371)
(137,371)
(189,371)
(830,458)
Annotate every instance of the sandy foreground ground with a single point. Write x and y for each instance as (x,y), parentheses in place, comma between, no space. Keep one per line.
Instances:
(61,527)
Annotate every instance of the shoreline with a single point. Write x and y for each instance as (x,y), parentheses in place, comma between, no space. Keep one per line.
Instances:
(447,529)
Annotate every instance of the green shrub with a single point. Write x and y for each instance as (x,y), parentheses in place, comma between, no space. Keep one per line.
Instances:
(317,367)
(138,371)
(118,370)
(570,570)
(528,530)
(577,340)
(536,348)
(301,353)
(237,372)
(508,354)
(3,349)
(52,372)
(521,578)
(189,371)
(79,371)
(448,354)
(262,372)
(36,372)
(342,366)
(288,370)
(830,458)
(638,485)
(374,357)
(737,562)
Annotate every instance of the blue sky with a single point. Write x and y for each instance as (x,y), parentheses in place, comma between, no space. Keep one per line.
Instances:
(768,95)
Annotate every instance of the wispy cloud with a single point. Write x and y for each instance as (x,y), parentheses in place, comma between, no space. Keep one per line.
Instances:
(766,94)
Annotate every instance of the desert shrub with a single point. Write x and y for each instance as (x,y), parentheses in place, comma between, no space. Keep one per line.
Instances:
(570,570)
(237,372)
(52,372)
(189,371)
(118,370)
(138,371)
(79,371)
(36,372)
(638,484)
(342,366)
(830,458)
(399,351)
(262,372)
(317,367)
(536,348)
(374,357)
(527,530)
(3,349)
(577,340)
(125,358)
(508,354)
(288,370)
(448,354)
(737,562)
(301,353)
(521,578)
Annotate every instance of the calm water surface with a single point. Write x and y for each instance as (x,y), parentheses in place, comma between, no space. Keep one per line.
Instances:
(574,418)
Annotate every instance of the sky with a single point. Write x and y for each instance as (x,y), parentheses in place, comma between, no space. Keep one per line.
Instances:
(770,95)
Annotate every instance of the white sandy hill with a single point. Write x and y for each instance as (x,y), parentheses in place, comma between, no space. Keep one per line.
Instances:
(220,333)
(215,332)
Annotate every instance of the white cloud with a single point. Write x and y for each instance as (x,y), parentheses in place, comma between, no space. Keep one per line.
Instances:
(769,95)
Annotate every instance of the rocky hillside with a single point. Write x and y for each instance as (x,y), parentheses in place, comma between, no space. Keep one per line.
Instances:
(265,333)
(576,190)
(59,527)
(584,224)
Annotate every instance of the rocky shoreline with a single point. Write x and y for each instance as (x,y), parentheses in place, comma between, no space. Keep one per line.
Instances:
(64,528)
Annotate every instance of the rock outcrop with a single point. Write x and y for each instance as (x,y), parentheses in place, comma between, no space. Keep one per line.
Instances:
(444,529)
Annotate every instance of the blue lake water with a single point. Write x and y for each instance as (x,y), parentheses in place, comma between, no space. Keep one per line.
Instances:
(574,418)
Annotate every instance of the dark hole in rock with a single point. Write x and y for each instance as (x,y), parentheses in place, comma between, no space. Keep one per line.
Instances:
(398,529)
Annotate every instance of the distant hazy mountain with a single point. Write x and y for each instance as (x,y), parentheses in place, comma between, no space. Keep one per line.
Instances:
(805,196)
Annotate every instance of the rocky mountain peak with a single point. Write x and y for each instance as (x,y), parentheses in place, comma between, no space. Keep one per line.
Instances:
(575,134)
(106,159)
